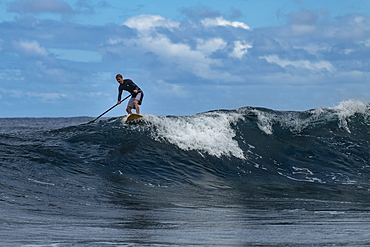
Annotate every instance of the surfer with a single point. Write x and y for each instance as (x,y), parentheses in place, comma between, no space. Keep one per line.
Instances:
(136,93)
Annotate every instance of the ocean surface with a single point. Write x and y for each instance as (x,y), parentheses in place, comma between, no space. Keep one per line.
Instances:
(244,177)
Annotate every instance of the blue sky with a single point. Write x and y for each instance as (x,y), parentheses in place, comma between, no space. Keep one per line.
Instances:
(59,58)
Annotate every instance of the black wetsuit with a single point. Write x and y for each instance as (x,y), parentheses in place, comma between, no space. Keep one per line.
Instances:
(130,86)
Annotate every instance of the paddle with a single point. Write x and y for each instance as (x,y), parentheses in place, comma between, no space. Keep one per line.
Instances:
(107,110)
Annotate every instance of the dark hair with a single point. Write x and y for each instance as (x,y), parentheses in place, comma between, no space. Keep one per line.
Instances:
(119,76)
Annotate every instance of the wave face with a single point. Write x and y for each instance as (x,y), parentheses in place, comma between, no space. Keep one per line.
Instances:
(249,152)
(319,154)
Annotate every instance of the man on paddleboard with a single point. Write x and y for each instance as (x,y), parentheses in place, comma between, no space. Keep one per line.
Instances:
(137,94)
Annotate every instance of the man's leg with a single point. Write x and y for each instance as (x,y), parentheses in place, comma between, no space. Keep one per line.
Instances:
(136,105)
(128,110)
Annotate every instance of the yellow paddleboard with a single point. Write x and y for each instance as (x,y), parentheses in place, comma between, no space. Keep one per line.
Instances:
(133,117)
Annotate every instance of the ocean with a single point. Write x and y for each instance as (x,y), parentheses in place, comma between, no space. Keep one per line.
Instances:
(245,177)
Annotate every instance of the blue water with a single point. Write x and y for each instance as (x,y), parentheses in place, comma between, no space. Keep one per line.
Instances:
(243,177)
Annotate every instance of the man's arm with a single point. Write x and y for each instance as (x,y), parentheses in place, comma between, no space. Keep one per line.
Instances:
(119,94)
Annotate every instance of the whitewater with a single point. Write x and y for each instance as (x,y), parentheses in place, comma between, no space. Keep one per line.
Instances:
(245,177)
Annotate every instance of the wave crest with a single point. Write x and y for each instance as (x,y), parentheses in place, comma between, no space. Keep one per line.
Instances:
(209,133)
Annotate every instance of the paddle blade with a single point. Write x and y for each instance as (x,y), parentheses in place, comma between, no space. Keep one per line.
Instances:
(92,120)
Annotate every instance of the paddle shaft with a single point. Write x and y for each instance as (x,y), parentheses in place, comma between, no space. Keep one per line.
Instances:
(108,110)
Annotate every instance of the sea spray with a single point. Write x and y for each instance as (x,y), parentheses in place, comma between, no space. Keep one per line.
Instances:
(209,133)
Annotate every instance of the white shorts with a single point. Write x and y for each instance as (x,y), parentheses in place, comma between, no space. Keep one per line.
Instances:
(138,97)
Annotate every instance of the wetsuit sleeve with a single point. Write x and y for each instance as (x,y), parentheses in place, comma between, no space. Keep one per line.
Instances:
(120,90)
(136,87)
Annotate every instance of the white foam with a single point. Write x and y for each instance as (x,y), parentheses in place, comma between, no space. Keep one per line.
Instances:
(209,133)
(348,108)
(291,120)
(265,121)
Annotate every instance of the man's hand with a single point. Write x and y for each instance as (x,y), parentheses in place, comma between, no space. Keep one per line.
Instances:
(135,91)
(119,102)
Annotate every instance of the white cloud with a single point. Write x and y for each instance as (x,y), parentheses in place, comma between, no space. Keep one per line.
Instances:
(193,61)
(211,45)
(147,22)
(196,61)
(30,48)
(314,48)
(12,93)
(77,55)
(366,42)
(240,49)
(301,29)
(170,90)
(11,75)
(322,65)
(43,96)
(47,96)
(39,6)
(220,21)
(115,41)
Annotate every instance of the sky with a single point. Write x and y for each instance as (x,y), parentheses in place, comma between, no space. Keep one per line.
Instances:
(59,58)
